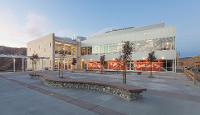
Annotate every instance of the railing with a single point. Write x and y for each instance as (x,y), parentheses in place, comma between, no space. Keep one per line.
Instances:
(192,75)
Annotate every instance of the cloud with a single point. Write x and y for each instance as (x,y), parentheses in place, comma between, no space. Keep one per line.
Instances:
(37,25)
(9,27)
(16,33)
(17,29)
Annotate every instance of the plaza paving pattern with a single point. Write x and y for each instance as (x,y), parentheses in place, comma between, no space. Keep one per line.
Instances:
(167,94)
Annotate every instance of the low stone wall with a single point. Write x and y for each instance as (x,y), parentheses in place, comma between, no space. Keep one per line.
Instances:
(121,91)
(126,92)
(37,76)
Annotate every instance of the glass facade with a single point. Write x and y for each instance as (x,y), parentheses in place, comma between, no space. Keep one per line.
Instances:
(142,45)
(107,48)
(69,49)
(158,44)
(155,44)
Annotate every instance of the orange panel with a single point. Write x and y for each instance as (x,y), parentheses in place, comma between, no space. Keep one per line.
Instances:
(93,65)
(115,65)
(146,66)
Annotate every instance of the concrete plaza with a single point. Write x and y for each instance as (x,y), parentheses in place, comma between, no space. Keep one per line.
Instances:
(167,94)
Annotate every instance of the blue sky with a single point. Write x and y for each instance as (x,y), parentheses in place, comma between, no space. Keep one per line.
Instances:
(25,20)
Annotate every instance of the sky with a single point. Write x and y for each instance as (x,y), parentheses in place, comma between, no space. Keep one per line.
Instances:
(25,20)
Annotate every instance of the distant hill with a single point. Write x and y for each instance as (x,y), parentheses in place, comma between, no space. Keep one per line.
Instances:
(6,64)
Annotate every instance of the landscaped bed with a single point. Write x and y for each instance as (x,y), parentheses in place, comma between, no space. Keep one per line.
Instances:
(126,92)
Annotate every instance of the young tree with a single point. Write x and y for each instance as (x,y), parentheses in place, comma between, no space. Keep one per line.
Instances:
(151,58)
(102,62)
(61,63)
(74,61)
(34,58)
(126,56)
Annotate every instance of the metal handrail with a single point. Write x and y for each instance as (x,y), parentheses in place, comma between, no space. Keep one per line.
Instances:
(192,75)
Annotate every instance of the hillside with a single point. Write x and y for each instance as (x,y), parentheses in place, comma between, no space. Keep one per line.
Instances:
(6,64)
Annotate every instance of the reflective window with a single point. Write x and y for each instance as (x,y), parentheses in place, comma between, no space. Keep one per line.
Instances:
(167,43)
(155,44)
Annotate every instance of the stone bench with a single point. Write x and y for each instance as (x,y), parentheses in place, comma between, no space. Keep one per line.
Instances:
(36,75)
(126,92)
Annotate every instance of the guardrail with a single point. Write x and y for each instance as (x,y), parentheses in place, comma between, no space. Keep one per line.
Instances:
(192,75)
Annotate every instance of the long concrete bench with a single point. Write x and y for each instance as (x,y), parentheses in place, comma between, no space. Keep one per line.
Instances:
(126,92)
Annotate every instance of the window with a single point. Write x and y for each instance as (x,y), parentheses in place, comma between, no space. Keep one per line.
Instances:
(83,51)
(89,50)
(112,48)
(86,50)
(154,44)
(96,49)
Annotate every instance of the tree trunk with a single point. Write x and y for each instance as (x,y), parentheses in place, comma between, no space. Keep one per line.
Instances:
(151,69)
(33,67)
(34,73)
(59,69)
(72,68)
(62,70)
(101,69)
(124,73)
(125,76)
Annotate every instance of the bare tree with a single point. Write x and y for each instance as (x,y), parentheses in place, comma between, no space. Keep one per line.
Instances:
(34,58)
(61,63)
(126,56)
(102,62)
(151,58)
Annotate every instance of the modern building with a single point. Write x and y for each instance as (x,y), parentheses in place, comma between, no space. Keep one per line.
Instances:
(49,47)
(158,37)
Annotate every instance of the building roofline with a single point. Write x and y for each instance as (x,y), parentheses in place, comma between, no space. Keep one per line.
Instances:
(153,26)
(41,37)
(139,28)
(65,40)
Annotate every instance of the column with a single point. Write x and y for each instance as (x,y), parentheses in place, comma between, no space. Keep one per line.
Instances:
(22,64)
(58,63)
(175,65)
(42,65)
(64,63)
(14,65)
(166,66)
(78,55)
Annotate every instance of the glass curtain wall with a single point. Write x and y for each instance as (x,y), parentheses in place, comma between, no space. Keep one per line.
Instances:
(158,44)
(139,46)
